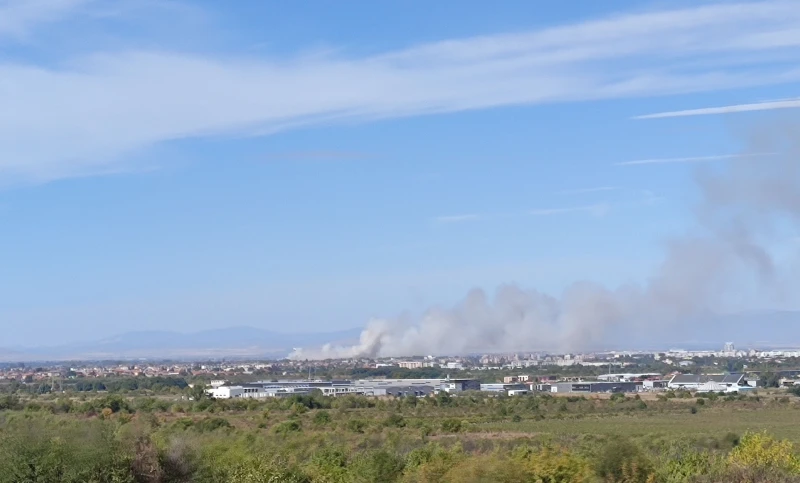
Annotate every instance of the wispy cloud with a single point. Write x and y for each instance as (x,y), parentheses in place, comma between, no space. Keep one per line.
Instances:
(131,99)
(19,17)
(599,209)
(707,111)
(457,218)
(581,191)
(693,159)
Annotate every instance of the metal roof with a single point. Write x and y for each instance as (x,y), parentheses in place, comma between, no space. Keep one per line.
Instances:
(704,378)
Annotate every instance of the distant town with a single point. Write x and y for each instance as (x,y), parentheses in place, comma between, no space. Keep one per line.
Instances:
(725,370)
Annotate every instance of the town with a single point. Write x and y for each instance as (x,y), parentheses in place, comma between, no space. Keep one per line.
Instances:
(725,370)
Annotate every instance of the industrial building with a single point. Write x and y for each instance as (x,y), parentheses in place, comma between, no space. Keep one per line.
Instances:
(709,382)
(366,387)
(255,391)
(655,385)
(501,387)
(595,386)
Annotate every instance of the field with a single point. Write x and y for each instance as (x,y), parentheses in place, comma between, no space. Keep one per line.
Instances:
(471,437)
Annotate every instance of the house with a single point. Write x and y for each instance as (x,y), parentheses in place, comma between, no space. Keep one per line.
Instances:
(708,382)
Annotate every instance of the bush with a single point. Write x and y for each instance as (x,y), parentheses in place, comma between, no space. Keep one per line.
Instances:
(212,424)
(286,427)
(322,417)
(759,450)
(621,460)
(395,420)
(376,466)
(356,425)
(451,425)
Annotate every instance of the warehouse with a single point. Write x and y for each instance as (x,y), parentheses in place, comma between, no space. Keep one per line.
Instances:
(255,391)
(708,382)
(500,387)
(595,386)
(366,387)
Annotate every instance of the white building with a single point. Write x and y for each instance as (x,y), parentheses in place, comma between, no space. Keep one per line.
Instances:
(708,382)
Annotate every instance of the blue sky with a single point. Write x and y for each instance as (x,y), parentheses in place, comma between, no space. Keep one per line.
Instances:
(303,166)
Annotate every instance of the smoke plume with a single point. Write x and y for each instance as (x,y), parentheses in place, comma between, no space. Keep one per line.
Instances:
(723,260)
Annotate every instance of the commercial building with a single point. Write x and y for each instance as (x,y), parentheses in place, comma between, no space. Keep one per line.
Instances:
(595,386)
(255,391)
(708,382)
(502,387)
(460,385)
(655,385)
(366,387)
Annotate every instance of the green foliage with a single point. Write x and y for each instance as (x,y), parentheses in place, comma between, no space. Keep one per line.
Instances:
(620,460)
(451,425)
(212,424)
(376,465)
(286,427)
(33,451)
(395,420)
(322,418)
(119,438)
(356,425)
(760,450)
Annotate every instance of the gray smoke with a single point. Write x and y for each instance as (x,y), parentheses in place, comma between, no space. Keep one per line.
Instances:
(719,265)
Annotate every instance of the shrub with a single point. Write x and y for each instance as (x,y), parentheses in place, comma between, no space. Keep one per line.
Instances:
(212,424)
(356,425)
(759,450)
(621,460)
(322,417)
(376,466)
(395,420)
(286,427)
(451,425)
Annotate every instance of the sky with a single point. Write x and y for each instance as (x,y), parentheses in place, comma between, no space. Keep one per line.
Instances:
(304,166)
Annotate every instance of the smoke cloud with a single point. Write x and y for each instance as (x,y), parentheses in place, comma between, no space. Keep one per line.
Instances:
(723,260)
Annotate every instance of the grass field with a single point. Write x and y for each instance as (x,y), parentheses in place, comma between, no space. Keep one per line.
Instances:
(464,438)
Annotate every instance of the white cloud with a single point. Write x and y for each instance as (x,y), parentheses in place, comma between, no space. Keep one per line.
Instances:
(90,112)
(692,159)
(757,106)
(597,209)
(19,17)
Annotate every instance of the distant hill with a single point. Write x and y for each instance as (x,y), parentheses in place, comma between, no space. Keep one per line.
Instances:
(228,342)
(761,329)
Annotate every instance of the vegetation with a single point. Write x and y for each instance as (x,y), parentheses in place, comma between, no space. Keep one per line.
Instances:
(673,438)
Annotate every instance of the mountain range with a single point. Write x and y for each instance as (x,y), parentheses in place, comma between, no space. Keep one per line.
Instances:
(216,343)
(756,329)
